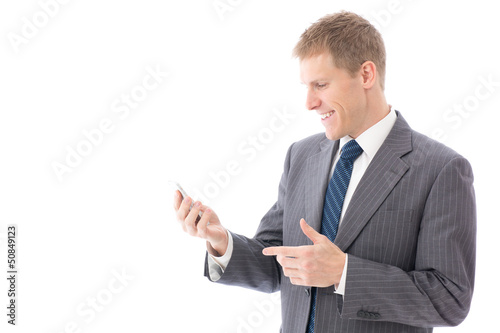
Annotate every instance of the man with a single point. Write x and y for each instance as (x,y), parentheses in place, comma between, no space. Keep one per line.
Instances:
(374,226)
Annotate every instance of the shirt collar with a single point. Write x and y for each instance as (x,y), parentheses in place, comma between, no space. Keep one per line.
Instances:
(371,139)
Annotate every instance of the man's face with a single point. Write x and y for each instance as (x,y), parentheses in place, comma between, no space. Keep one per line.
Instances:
(335,95)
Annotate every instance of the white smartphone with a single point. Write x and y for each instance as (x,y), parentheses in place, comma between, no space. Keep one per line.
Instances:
(177,186)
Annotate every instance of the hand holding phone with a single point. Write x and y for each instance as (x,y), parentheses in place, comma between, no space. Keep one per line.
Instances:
(183,193)
(205,224)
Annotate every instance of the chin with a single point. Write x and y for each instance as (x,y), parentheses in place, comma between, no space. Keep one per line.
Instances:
(332,136)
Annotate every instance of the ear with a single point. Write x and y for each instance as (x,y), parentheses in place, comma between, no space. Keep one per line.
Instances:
(368,74)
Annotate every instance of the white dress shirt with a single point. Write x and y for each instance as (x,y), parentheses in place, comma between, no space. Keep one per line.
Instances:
(370,141)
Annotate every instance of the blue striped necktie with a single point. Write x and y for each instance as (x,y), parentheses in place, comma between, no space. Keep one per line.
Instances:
(332,208)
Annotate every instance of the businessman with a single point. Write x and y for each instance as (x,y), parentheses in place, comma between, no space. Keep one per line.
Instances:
(374,227)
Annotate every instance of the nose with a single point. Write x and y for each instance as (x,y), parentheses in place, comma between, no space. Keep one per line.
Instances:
(312,101)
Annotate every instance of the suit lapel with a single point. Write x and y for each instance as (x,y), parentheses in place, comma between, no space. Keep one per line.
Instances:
(318,170)
(383,173)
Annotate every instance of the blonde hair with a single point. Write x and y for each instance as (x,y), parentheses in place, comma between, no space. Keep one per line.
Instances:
(349,38)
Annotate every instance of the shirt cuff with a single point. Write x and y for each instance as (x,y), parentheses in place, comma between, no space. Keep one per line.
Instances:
(217,265)
(341,287)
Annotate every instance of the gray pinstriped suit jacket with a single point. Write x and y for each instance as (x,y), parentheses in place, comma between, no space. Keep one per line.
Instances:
(409,230)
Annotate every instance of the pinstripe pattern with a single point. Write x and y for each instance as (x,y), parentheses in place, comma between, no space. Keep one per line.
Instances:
(409,231)
(332,208)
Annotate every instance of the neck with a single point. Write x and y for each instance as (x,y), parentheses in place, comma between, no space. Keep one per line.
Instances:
(379,108)
(376,110)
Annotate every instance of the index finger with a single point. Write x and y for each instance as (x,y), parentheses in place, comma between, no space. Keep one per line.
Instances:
(287,251)
(177,200)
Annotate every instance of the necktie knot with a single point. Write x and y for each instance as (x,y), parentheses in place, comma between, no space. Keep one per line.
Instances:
(351,151)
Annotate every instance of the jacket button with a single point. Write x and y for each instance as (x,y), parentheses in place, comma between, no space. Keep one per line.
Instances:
(361,314)
(369,315)
(308,293)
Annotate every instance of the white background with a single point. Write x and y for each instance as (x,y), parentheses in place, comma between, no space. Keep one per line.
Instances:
(228,75)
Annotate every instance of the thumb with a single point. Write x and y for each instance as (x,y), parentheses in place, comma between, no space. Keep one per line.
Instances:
(310,232)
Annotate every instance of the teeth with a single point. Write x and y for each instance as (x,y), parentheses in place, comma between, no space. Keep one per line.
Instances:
(326,115)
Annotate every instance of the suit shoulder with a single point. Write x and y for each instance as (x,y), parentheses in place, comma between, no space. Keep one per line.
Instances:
(433,150)
(309,145)
(311,141)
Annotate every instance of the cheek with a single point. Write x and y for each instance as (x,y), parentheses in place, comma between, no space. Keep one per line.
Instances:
(342,117)
(346,109)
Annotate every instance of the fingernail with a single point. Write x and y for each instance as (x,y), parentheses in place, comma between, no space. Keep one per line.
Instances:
(197,204)
(264,251)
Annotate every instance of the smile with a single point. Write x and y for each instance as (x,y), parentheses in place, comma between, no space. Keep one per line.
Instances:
(326,115)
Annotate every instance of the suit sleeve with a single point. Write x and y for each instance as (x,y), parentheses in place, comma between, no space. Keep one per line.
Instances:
(248,267)
(439,291)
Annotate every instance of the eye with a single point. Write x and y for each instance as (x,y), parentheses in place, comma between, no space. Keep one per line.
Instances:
(321,85)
